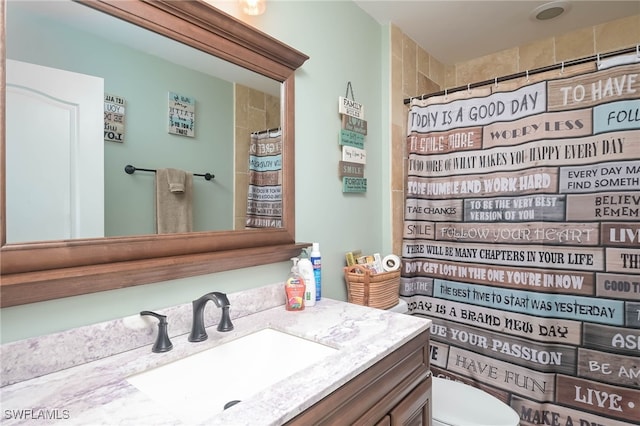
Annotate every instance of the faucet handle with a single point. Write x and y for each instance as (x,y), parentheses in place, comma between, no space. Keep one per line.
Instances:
(225,323)
(162,344)
(223,303)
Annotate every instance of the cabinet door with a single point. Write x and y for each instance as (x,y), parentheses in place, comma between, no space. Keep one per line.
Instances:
(368,398)
(414,409)
(386,421)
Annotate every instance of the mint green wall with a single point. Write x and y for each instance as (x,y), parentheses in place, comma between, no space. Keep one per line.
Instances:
(144,81)
(344,44)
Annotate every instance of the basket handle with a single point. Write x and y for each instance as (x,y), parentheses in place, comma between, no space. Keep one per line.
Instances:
(367,280)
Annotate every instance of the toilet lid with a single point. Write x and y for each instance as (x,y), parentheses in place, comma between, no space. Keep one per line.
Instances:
(457,404)
(401,307)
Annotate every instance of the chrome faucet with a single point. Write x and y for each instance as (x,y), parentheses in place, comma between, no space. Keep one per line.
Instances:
(198,333)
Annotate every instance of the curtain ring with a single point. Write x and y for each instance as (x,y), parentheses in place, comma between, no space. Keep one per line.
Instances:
(445,94)
(527,75)
(469,88)
(562,68)
(496,81)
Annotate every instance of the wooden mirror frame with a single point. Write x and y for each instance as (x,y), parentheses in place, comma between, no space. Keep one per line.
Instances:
(33,272)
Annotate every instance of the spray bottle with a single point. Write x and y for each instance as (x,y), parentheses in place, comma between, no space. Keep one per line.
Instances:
(316,261)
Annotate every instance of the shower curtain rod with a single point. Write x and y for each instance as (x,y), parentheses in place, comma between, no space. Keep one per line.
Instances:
(129,169)
(261,132)
(527,73)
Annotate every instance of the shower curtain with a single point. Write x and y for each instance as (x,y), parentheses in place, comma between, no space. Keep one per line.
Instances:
(522,241)
(264,198)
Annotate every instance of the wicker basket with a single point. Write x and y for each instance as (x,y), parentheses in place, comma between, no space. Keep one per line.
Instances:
(377,290)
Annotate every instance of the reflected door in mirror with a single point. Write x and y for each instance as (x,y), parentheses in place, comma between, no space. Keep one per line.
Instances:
(54,181)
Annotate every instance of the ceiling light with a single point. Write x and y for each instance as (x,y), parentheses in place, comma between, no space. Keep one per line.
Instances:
(253,7)
(550,10)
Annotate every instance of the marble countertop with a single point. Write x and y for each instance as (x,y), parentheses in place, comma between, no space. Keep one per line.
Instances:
(97,391)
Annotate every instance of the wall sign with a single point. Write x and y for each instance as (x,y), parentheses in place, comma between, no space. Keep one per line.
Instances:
(351,169)
(182,115)
(114,110)
(354,155)
(350,107)
(354,124)
(354,184)
(351,140)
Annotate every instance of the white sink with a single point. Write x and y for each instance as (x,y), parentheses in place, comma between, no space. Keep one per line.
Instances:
(198,386)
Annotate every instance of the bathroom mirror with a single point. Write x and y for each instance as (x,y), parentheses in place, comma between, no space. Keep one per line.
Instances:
(139,68)
(32,272)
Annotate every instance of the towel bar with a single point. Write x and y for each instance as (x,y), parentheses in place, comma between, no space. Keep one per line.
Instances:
(129,169)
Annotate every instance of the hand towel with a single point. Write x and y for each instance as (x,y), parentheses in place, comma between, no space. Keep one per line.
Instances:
(176,179)
(174,196)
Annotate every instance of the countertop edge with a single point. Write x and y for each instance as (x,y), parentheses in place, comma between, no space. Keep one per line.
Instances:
(98,391)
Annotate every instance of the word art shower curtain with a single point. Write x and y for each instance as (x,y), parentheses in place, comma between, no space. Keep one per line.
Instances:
(264,197)
(522,242)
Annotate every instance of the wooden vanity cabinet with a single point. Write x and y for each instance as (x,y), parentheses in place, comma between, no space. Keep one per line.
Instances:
(394,391)
(414,410)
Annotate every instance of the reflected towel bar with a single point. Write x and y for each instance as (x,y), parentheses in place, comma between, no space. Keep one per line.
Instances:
(129,169)
(262,132)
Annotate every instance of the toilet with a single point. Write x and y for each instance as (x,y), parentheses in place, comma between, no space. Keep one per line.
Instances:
(456,404)
(401,307)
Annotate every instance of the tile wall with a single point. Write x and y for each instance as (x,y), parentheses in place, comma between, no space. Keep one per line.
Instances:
(414,72)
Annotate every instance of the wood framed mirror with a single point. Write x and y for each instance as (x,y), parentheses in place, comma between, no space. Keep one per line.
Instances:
(38,271)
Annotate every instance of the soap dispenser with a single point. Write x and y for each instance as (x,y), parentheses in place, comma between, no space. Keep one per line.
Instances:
(294,288)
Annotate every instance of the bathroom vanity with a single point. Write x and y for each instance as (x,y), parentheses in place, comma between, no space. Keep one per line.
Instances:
(394,391)
(375,369)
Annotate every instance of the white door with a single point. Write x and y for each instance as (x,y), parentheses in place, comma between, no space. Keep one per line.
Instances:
(54,154)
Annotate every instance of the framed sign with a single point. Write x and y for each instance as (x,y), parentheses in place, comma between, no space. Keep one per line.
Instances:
(114,110)
(182,115)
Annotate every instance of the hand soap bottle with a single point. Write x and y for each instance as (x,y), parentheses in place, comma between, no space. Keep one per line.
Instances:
(294,288)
